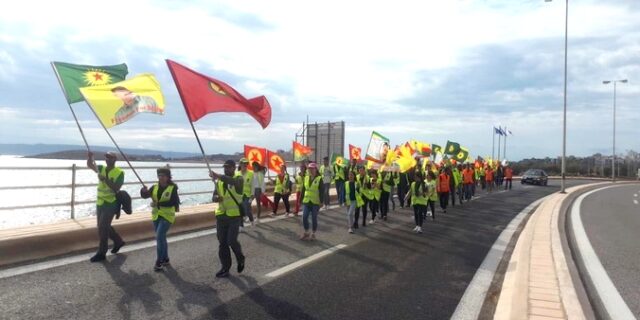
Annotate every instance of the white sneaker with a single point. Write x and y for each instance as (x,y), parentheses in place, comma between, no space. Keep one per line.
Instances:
(246,219)
(428,213)
(241,229)
(372,221)
(416,228)
(350,230)
(419,229)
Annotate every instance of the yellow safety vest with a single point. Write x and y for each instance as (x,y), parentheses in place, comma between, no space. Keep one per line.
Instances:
(359,201)
(299,182)
(417,197)
(377,191)
(338,171)
(432,194)
(105,194)
(386,187)
(169,213)
(312,190)
(228,206)
(281,186)
(247,179)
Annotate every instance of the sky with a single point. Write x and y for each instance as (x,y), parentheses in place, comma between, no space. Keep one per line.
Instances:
(426,70)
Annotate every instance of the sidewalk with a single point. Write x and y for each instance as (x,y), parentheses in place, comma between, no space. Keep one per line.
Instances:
(537,283)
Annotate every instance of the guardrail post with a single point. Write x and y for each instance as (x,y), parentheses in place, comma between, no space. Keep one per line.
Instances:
(73,191)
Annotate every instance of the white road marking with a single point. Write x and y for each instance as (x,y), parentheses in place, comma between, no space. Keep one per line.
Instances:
(635,201)
(611,298)
(49,264)
(307,260)
(635,195)
(473,298)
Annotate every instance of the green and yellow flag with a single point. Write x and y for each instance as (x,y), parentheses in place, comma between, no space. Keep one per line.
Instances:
(72,77)
(436,149)
(452,148)
(117,103)
(462,155)
(337,159)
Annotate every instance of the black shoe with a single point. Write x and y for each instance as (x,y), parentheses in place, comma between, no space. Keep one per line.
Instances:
(165,263)
(116,247)
(98,258)
(158,266)
(241,266)
(222,273)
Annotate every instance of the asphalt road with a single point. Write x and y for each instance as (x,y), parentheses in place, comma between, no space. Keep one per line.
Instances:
(611,219)
(384,272)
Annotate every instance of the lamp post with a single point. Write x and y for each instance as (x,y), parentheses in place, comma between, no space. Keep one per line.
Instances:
(564,116)
(613,159)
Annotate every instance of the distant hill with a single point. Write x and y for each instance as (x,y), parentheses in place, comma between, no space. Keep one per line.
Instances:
(43,151)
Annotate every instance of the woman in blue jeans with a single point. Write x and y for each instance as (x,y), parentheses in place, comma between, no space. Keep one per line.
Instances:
(313,191)
(165,203)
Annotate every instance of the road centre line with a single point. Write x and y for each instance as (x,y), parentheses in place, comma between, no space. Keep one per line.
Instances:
(302,262)
(614,305)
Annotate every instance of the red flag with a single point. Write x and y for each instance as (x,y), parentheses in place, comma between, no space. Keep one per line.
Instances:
(255,154)
(300,151)
(274,161)
(355,152)
(201,95)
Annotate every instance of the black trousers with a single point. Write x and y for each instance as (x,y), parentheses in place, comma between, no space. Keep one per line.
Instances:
(432,205)
(444,200)
(227,231)
(402,192)
(384,204)
(419,211)
(276,202)
(508,184)
(105,216)
(373,205)
(364,214)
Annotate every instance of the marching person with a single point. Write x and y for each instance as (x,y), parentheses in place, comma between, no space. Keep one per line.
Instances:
(488,175)
(432,194)
(299,186)
(282,191)
(362,179)
(508,177)
(247,193)
(376,192)
(418,197)
(228,194)
(313,193)
(258,187)
(395,178)
(165,203)
(403,185)
(444,188)
(339,174)
(354,200)
(386,182)
(327,175)
(456,182)
(467,182)
(111,180)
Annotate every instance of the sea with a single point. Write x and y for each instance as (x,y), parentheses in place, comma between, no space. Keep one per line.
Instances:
(57,173)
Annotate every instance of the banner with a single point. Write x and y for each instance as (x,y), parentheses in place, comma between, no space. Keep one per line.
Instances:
(255,154)
(117,103)
(378,148)
(355,152)
(72,77)
(337,159)
(300,151)
(274,161)
(452,148)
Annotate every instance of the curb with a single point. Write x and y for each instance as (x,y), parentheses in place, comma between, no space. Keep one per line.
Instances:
(538,281)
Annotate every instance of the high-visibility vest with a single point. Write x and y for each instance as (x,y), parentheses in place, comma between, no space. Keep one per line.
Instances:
(457,177)
(432,194)
(443,182)
(488,175)
(376,190)
(347,188)
(299,182)
(396,179)
(467,176)
(169,213)
(312,190)
(247,180)
(366,192)
(417,197)
(281,185)
(338,171)
(386,183)
(105,194)
(508,173)
(227,206)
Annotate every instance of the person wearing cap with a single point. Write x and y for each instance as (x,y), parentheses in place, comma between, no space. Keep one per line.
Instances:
(228,194)
(165,202)
(313,194)
(247,178)
(111,180)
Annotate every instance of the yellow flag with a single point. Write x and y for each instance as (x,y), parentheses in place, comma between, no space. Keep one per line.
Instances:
(118,102)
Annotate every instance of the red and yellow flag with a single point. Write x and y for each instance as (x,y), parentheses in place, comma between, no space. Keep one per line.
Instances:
(255,154)
(355,152)
(300,151)
(274,161)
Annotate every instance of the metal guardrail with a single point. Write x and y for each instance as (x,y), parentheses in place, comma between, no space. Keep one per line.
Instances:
(73,185)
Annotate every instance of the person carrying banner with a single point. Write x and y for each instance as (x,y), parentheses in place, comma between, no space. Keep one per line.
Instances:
(165,203)
(313,194)
(362,179)
(376,191)
(386,182)
(228,195)
(111,180)
(353,200)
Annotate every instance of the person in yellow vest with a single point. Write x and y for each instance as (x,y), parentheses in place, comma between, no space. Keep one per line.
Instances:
(299,186)
(432,194)
(376,190)
(365,191)
(326,171)
(386,182)
(339,179)
(257,184)
(111,180)
(313,193)
(247,180)
(353,200)
(165,202)
(282,190)
(228,195)
(418,196)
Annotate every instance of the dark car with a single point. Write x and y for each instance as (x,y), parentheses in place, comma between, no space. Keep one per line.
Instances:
(534,176)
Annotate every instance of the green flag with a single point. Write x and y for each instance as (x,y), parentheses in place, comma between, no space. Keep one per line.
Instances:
(72,77)
(462,155)
(452,148)
(337,159)
(436,149)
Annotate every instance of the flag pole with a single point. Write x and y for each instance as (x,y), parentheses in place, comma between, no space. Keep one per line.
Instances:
(499,136)
(506,133)
(115,143)
(189,117)
(493,142)
(70,108)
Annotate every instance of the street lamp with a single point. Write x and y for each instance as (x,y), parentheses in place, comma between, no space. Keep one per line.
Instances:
(613,159)
(564,116)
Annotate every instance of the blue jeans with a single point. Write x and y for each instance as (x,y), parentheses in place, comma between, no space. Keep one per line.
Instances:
(310,209)
(340,191)
(161,225)
(468,191)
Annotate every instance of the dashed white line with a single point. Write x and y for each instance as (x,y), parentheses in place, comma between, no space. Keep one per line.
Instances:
(304,261)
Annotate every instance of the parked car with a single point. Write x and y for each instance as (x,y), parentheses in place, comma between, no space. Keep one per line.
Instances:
(534,176)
